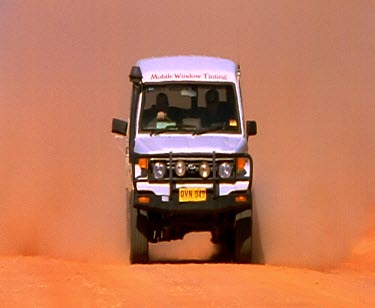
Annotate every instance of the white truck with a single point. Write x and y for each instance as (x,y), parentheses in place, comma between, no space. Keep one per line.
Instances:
(188,157)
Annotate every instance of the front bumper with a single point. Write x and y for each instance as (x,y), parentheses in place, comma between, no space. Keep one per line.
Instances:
(213,204)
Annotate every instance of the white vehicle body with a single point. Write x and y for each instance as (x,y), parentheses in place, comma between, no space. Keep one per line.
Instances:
(188,149)
(201,69)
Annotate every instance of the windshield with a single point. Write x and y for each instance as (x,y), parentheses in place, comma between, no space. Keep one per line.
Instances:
(191,108)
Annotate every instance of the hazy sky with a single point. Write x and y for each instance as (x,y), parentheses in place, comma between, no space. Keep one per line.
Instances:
(308,72)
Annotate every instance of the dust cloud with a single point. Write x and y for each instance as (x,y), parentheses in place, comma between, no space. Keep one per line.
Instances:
(193,247)
(307,79)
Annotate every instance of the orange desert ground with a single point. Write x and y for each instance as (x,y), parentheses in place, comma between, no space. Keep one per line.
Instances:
(49,282)
(307,77)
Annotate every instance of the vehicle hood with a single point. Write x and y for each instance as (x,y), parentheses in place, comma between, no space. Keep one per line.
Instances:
(207,143)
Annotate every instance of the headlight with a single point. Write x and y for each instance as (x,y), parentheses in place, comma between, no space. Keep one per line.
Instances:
(243,167)
(204,170)
(159,170)
(225,170)
(180,168)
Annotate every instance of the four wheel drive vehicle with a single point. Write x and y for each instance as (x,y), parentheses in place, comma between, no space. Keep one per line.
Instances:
(188,154)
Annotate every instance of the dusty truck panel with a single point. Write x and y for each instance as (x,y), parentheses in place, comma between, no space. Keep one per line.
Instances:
(188,154)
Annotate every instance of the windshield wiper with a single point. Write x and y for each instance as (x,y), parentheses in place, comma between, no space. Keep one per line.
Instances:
(212,128)
(165,128)
(159,131)
(173,128)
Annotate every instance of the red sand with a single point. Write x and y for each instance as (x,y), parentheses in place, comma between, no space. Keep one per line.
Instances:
(47,282)
(308,79)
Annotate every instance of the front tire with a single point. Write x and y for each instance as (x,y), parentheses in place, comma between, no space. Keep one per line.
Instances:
(138,238)
(243,237)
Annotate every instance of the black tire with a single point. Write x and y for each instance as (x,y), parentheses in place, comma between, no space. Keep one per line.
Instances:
(224,251)
(243,237)
(138,238)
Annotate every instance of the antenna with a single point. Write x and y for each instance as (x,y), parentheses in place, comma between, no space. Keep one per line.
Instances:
(238,72)
(238,49)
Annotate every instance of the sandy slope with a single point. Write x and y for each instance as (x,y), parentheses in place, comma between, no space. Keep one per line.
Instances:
(47,282)
(43,282)
(308,78)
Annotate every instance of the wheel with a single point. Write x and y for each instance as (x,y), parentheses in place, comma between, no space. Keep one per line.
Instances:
(138,238)
(224,243)
(242,237)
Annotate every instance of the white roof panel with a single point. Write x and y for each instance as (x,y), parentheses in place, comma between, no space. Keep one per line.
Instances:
(188,68)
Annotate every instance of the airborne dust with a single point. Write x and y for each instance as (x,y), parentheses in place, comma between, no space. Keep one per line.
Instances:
(307,80)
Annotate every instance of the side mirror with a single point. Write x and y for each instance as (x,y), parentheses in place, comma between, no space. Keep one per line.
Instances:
(119,126)
(251,128)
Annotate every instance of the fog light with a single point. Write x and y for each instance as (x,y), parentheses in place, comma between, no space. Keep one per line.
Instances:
(204,170)
(180,168)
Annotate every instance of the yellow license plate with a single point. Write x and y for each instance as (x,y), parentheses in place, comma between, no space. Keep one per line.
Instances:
(192,194)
